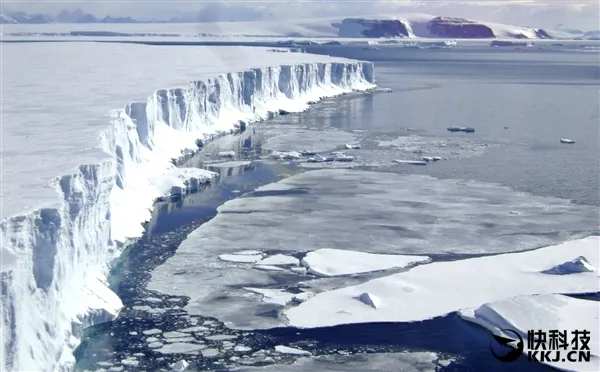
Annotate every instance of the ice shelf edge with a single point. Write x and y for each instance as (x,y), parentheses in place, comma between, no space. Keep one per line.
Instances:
(56,284)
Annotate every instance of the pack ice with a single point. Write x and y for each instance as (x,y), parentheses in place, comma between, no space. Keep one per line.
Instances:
(77,183)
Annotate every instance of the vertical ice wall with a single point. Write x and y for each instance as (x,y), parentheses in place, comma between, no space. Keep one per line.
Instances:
(56,287)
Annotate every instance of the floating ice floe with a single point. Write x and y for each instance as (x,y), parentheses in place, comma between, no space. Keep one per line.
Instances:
(195,329)
(268,268)
(180,366)
(248,252)
(241,258)
(344,158)
(544,313)
(221,337)
(355,146)
(565,140)
(338,262)
(151,332)
(425,216)
(174,334)
(242,349)
(226,154)
(229,164)
(280,260)
(440,288)
(273,296)
(410,162)
(210,353)
(290,350)
(283,155)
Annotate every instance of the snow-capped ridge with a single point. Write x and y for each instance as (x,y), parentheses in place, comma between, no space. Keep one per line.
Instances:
(429,26)
(63,252)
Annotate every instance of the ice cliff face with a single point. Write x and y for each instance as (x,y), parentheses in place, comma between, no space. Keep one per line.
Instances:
(56,288)
(433,27)
(372,28)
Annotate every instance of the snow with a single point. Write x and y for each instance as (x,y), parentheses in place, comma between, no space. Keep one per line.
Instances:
(337,262)
(70,200)
(280,260)
(543,312)
(290,350)
(369,362)
(440,288)
(273,296)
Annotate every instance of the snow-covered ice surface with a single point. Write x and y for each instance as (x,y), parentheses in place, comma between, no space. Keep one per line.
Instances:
(440,288)
(399,215)
(544,313)
(388,362)
(78,178)
(336,262)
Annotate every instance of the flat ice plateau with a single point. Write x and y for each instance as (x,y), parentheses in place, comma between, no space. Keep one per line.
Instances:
(543,312)
(411,215)
(440,288)
(88,147)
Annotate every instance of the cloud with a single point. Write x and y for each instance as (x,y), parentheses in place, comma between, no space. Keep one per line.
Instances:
(539,13)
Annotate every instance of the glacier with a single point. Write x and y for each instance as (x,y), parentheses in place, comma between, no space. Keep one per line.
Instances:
(77,187)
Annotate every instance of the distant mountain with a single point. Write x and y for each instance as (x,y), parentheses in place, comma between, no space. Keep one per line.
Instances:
(4,19)
(65,16)
(22,17)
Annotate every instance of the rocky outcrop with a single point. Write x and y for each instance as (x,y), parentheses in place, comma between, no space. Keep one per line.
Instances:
(459,28)
(372,28)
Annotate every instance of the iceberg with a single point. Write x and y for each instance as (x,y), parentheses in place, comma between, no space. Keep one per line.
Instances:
(87,181)
(440,288)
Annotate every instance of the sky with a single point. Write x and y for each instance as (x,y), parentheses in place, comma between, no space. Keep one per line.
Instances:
(582,14)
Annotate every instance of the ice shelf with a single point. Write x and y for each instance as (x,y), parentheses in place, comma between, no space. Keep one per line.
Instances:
(78,178)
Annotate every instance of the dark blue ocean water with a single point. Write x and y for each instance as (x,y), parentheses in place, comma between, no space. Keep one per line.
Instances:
(540,96)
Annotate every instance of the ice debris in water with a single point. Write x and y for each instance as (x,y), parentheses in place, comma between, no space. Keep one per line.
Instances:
(150,332)
(410,162)
(240,258)
(370,300)
(575,266)
(282,155)
(226,154)
(242,349)
(180,348)
(280,260)
(566,140)
(180,366)
(461,129)
(354,146)
(210,353)
(290,350)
